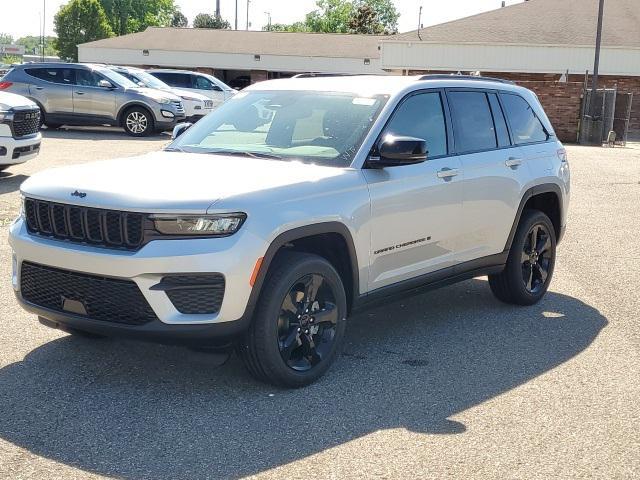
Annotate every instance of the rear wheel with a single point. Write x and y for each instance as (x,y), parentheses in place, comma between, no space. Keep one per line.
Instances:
(529,269)
(299,322)
(138,122)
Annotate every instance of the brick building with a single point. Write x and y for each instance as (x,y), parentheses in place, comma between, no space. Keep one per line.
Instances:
(544,45)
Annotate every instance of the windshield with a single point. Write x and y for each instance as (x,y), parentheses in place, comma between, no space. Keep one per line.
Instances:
(116,78)
(148,80)
(325,128)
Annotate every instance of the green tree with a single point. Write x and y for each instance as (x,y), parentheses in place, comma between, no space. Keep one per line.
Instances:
(386,11)
(179,20)
(130,16)
(365,21)
(31,44)
(283,27)
(77,22)
(10,59)
(204,20)
(331,16)
(6,39)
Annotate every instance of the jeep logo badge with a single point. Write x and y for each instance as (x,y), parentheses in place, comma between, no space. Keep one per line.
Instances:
(78,194)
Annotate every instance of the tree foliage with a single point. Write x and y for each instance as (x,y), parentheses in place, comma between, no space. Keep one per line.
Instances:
(6,39)
(346,16)
(179,20)
(130,16)
(77,22)
(31,44)
(204,20)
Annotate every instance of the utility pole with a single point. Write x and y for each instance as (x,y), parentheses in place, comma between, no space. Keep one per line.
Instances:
(268,14)
(44,28)
(596,64)
(248,1)
(236,15)
(217,8)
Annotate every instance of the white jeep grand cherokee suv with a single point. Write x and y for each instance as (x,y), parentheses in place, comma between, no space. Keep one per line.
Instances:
(273,229)
(19,130)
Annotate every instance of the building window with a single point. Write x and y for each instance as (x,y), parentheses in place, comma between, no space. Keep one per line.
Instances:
(256,58)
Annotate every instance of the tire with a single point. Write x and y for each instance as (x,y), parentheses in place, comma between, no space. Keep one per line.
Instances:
(527,275)
(138,122)
(284,345)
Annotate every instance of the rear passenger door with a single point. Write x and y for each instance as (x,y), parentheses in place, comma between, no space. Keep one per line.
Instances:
(52,88)
(495,171)
(416,210)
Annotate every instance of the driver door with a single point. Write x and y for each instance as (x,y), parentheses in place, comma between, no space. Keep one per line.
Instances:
(416,210)
(91,100)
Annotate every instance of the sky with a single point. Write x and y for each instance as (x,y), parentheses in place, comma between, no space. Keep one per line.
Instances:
(23,17)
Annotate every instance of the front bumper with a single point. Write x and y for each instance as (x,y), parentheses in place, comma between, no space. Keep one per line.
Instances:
(146,268)
(14,151)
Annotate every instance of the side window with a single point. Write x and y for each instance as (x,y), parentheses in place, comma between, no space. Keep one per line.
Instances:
(201,83)
(502,134)
(472,122)
(526,127)
(174,79)
(63,76)
(421,116)
(86,78)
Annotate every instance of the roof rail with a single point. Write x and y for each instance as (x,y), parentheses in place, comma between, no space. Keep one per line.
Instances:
(313,75)
(453,76)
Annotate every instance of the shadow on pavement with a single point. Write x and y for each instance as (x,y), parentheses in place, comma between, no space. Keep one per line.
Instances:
(133,410)
(100,134)
(10,182)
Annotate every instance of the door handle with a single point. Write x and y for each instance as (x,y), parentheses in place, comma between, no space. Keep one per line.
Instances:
(39,88)
(513,162)
(79,93)
(447,173)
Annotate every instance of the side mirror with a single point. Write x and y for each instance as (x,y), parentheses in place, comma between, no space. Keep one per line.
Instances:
(396,151)
(141,84)
(105,84)
(180,129)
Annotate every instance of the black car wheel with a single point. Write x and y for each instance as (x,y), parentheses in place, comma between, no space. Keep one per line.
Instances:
(299,322)
(529,268)
(138,122)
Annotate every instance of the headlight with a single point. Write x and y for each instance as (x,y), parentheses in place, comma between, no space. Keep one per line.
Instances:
(3,114)
(199,225)
(191,99)
(163,101)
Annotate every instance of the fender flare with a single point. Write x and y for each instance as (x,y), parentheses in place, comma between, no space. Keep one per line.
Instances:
(532,192)
(296,234)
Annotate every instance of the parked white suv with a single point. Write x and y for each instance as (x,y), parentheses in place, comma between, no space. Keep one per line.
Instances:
(197,82)
(19,130)
(273,230)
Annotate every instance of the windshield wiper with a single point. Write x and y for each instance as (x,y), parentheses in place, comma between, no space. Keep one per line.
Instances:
(237,153)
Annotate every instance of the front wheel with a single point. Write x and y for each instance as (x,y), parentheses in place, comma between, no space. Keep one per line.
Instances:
(299,322)
(138,122)
(529,268)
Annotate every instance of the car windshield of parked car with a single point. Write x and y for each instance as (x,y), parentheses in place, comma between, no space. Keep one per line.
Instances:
(325,128)
(116,78)
(149,80)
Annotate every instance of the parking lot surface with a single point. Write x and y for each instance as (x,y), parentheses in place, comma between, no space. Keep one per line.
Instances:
(448,384)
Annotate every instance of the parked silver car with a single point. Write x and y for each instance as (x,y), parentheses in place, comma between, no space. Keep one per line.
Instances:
(86,94)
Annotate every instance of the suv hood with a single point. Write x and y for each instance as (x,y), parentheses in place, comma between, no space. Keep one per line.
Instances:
(154,94)
(168,182)
(11,100)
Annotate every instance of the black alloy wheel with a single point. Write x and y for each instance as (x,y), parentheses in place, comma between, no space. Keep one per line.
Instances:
(536,259)
(299,321)
(529,268)
(307,323)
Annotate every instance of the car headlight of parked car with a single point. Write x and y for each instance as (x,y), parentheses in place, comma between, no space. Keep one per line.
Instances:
(4,114)
(190,99)
(199,225)
(163,101)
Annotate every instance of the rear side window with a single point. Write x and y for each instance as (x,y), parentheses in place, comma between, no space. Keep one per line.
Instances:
(64,76)
(179,80)
(472,121)
(502,134)
(421,116)
(526,127)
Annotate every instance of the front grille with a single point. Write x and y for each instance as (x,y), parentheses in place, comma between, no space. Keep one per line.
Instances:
(25,122)
(195,294)
(179,106)
(103,299)
(106,228)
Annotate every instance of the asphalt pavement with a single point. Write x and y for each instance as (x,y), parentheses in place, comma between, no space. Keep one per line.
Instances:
(448,384)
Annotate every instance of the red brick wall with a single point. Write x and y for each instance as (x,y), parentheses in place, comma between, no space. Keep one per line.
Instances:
(563,101)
